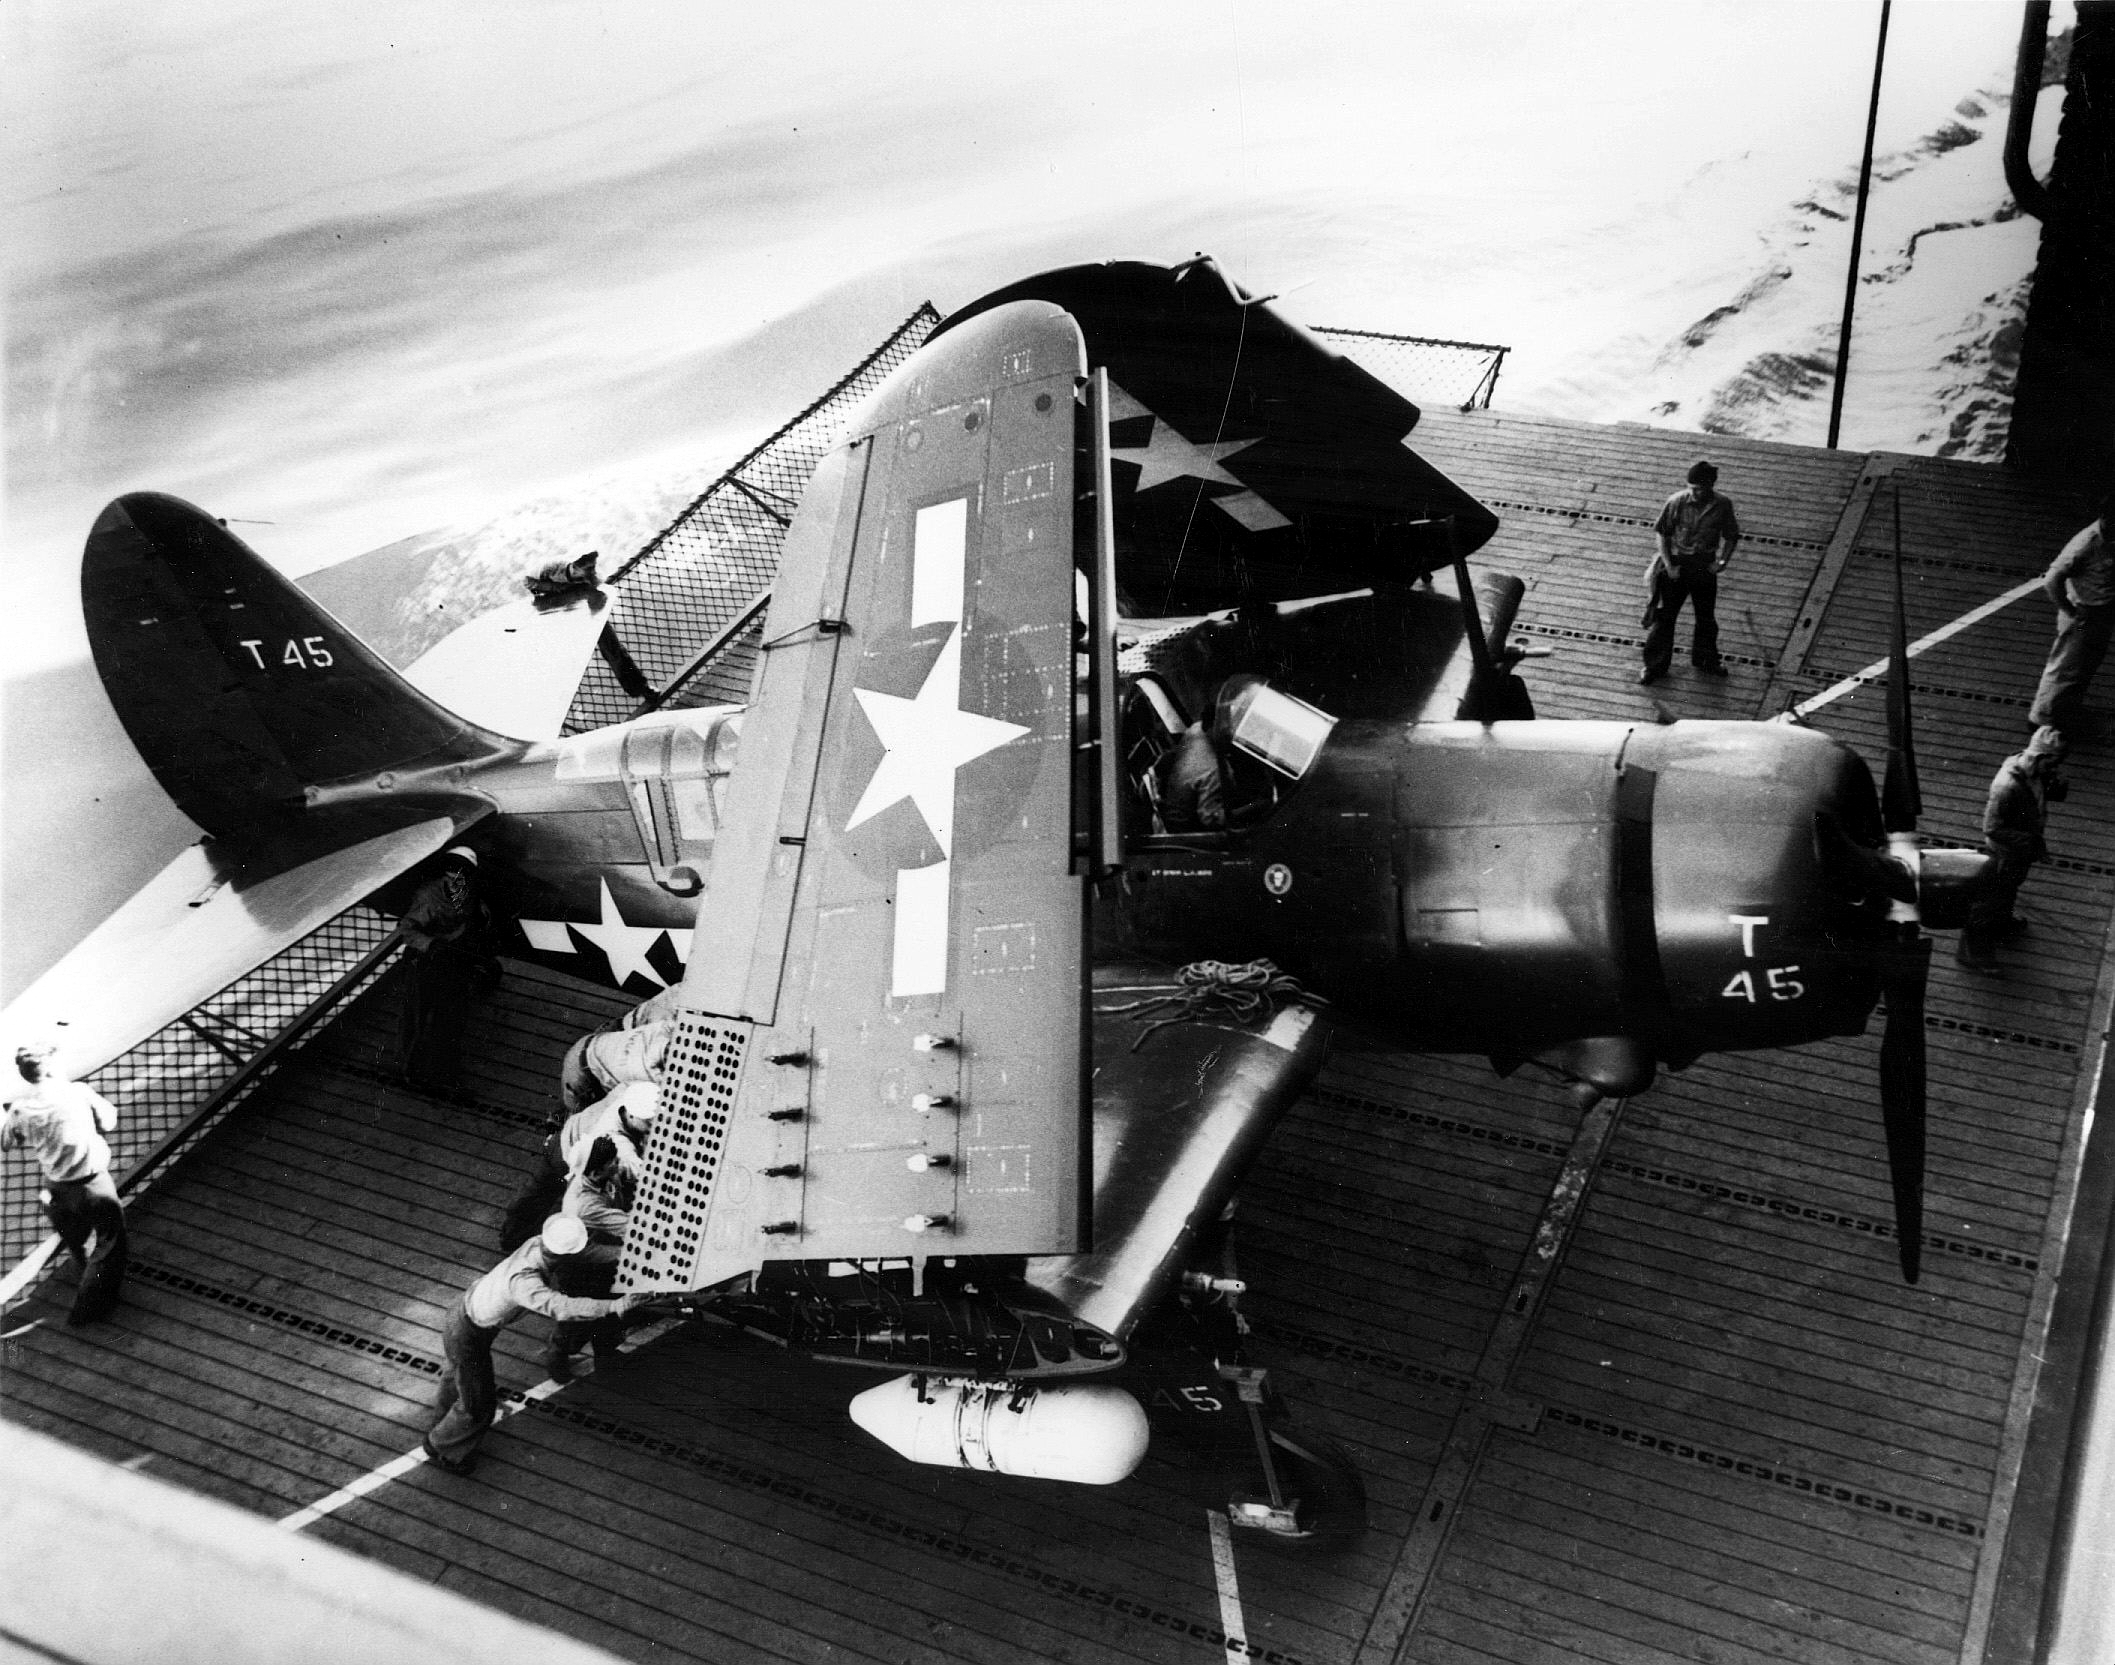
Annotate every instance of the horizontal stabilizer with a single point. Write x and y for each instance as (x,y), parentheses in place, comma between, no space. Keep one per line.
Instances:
(187,935)
(516,669)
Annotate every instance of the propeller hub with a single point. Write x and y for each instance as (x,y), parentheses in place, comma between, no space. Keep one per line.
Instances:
(1905,849)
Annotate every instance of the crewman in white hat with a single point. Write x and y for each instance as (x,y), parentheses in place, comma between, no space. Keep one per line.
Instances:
(63,1123)
(626,1115)
(469,1396)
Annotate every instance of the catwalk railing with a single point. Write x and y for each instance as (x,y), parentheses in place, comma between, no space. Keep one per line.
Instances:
(689,605)
(178,1084)
(1422,369)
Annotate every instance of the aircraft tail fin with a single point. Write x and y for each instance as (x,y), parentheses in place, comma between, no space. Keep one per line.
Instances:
(242,695)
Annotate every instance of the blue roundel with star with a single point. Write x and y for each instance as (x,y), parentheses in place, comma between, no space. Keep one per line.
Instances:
(932,767)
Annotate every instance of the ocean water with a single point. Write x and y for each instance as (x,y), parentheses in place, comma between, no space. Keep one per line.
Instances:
(350,274)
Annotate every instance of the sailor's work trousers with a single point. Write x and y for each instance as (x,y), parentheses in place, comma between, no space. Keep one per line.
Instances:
(2082,637)
(469,1396)
(1670,587)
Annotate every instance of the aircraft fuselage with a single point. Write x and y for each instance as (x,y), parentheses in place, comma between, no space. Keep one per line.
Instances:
(1509,887)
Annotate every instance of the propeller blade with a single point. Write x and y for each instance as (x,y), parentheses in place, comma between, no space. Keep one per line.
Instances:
(1902,1093)
(1900,800)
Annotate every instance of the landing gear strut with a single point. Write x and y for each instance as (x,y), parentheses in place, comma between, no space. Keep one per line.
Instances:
(1278,1483)
(1312,1494)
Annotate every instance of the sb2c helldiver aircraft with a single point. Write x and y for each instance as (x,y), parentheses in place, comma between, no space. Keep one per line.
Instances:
(925,1109)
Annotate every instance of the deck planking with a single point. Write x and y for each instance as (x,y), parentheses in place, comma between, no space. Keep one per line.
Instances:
(1737,1436)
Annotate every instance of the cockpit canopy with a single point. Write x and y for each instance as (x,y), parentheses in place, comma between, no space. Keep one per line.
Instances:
(1259,741)
(1275,728)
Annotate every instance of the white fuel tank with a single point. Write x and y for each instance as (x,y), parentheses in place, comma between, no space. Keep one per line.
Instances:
(1089,1434)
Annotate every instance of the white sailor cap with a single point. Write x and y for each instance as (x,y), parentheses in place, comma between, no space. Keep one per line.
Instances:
(639,1102)
(563,1235)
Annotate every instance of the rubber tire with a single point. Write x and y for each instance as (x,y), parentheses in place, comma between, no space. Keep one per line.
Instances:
(1321,1474)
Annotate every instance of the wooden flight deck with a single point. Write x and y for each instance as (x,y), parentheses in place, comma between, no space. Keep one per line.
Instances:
(1635,1386)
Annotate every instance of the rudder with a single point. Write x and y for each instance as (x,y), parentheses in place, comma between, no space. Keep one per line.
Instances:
(241,693)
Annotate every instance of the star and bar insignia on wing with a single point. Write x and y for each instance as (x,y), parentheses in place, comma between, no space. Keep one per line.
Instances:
(1168,456)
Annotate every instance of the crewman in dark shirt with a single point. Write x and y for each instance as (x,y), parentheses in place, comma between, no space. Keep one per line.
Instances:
(2013,818)
(1697,532)
(445,958)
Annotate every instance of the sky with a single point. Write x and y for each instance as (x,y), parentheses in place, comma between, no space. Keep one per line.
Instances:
(348,272)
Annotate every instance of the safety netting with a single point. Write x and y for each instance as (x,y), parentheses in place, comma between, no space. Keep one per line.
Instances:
(176,1086)
(1423,369)
(689,606)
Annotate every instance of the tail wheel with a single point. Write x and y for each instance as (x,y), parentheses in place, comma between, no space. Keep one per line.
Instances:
(1332,1498)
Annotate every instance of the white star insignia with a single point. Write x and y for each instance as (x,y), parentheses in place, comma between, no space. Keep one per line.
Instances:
(626,945)
(925,740)
(1166,456)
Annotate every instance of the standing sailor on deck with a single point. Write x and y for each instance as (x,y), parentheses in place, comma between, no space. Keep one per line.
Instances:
(445,957)
(1697,533)
(63,1122)
(2081,584)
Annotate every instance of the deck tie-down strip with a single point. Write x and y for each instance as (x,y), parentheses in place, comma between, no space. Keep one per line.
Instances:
(284,1317)
(1565,633)
(1491,1404)
(1694,1184)
(1769,1474)
(1945,563)
(1576,514)
(764,1481)
(1312,1345)
(1813,673)
(1286,1336)
(537,1121)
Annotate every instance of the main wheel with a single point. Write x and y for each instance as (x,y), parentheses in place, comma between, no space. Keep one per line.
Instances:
(1332,1498)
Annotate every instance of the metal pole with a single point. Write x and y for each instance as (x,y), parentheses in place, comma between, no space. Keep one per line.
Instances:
(2030,193)
(1850,283)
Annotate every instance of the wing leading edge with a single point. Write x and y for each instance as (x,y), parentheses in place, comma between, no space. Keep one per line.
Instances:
(880,1048)
(188,933)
